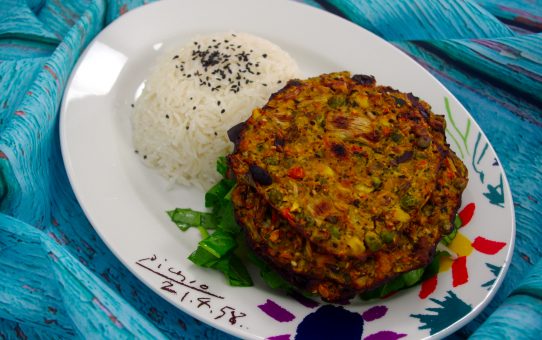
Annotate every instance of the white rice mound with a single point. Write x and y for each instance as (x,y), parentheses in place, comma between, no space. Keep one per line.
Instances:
(195,93)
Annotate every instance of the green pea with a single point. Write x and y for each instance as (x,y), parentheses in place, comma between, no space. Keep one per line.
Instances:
(377,183)
(387,236)
(408,202)
(396,137)
(335,233)
(271,160)
(275,196)
(373,241)
(336,101)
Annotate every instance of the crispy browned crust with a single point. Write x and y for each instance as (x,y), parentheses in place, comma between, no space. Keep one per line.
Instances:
(377,189)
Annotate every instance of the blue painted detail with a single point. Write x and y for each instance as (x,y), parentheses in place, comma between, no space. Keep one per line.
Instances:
(487,285)
(495,193)
(452,309)
(475,162)
(495,270)
(330,322)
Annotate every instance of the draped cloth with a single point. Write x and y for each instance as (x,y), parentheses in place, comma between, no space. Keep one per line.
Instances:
(60,280)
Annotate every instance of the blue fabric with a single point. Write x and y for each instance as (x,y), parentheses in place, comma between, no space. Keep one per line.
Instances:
(59,278)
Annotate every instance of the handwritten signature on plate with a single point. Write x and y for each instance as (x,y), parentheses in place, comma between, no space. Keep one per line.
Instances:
(190,292)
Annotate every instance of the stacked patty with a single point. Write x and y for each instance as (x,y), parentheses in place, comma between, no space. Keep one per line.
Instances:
(343,184)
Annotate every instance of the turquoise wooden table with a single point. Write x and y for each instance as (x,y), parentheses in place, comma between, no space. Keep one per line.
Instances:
(60,281)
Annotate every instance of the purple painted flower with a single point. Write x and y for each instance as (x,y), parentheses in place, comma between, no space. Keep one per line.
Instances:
(329,322)
(374,313)
(384,335)
(277,312)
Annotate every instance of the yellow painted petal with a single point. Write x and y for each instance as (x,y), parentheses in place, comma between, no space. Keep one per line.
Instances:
(461,245)
(445,263)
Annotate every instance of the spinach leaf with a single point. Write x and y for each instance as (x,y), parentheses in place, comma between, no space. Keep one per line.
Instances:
(227,219)
(447,240)
(203,258)
(218,192)
(222,166)
(268,274)
(406,280)
(218,243)
(234,270)
(412,277)
(187,218)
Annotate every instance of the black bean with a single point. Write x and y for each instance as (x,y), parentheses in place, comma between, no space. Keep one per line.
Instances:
(399,101)
(416,102)
(332,219)
(363,79)
(235,131)
(279,142)
(423,142)
(260,176)
(338,150)
(404,157)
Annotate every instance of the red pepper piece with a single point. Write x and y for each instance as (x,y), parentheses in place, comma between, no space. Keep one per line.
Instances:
(285,212)
(296,172)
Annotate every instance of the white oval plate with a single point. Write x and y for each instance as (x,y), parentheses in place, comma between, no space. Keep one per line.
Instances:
(126,201)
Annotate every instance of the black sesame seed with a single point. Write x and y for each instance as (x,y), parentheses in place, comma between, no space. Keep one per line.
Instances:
(216,134)
(136,151)
(218,103)
(222,111)
(264,55)
(193,108)
(187,127)
(144,156)
(132,105)
(167,116)
(175,57)
(280,81)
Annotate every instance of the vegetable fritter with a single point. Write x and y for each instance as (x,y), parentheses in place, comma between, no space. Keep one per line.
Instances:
(337,280)
(343,184)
